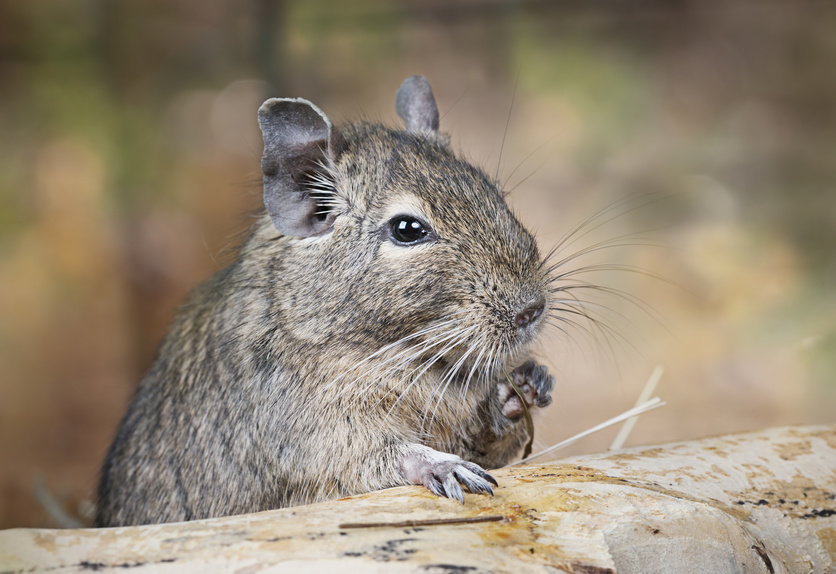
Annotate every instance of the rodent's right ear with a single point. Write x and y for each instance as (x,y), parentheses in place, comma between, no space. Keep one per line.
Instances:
(415,103)
(300,144)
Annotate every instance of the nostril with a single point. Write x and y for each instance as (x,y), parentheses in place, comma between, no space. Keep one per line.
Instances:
(530,314)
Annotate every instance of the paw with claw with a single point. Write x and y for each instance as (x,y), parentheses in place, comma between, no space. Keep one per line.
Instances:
(445,474)
(534,382)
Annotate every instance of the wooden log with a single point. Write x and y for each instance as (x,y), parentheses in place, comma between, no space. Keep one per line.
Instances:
(762,502)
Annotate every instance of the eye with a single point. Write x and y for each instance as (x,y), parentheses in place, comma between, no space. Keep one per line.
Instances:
(407,230)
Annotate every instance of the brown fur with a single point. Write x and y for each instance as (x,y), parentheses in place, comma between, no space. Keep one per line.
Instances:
(275,386)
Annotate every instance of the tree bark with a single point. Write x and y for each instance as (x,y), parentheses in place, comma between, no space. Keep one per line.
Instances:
(762,502)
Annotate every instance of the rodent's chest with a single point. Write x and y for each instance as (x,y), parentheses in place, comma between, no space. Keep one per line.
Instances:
(433,405)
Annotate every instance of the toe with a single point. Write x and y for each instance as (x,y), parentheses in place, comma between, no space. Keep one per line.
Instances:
(474,483)
(513,408)
(479,471)
(541,401)
(452,488)
(433,485)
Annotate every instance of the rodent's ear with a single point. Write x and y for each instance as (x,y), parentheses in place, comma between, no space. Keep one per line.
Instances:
(298,141)
(416,105)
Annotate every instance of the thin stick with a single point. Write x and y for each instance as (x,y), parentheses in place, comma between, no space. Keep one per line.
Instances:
(52,506)
(653,403)
(648,389)
(416,523)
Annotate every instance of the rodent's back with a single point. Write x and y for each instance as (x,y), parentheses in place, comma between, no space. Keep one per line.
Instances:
(189,413)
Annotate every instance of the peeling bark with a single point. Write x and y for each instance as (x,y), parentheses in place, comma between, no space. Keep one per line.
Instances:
(760,502)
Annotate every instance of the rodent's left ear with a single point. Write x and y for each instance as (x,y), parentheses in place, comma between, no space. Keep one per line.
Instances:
(415,103)
(298,141)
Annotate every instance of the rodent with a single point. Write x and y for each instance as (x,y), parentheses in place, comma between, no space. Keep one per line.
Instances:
(357,343)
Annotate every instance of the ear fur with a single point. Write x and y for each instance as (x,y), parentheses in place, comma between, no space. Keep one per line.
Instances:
(415,103)
(298,138)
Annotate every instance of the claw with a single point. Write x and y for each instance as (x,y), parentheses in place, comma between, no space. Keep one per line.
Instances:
(474,482)
(433,485)
(486,476)
(444,474)
(452,488)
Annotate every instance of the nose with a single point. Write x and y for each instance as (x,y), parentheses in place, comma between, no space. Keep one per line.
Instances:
(530,314)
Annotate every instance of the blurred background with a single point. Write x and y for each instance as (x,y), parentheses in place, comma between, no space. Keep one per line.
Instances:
(693,140)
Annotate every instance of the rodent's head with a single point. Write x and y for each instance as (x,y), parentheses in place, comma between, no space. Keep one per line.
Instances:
(392,244)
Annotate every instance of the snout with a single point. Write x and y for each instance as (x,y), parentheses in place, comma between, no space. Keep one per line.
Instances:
(530,313)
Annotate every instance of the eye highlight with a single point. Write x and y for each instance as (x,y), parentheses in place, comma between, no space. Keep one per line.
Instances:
(407,230)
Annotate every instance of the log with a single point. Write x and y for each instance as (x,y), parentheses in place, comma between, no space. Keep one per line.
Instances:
(762,502)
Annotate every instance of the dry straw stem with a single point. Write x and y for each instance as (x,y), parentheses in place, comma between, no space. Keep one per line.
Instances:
(758,502)
(529,422)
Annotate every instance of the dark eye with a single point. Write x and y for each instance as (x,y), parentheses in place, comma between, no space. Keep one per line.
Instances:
(406,230)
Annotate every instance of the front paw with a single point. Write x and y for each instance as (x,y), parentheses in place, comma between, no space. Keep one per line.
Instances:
(534,382)
(441,473)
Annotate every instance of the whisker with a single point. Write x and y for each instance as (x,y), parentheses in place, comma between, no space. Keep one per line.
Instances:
(526,178)
(455,337)
(642,201)
(434,359)
(451,339)
(626,240)
(466,386)
(594,321)
(446,380)
(619,294)
(421,332)
(519,165)
(507,123)
(607,267)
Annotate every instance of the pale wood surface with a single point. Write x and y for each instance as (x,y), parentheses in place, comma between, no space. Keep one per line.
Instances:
(758,502)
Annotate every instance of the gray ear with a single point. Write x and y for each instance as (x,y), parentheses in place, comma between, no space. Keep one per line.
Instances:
(416,105)
(297,143)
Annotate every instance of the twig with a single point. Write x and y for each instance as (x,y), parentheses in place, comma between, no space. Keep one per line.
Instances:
(52,506)
(529,423)
(648,389)
(649,405)
(428,522)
